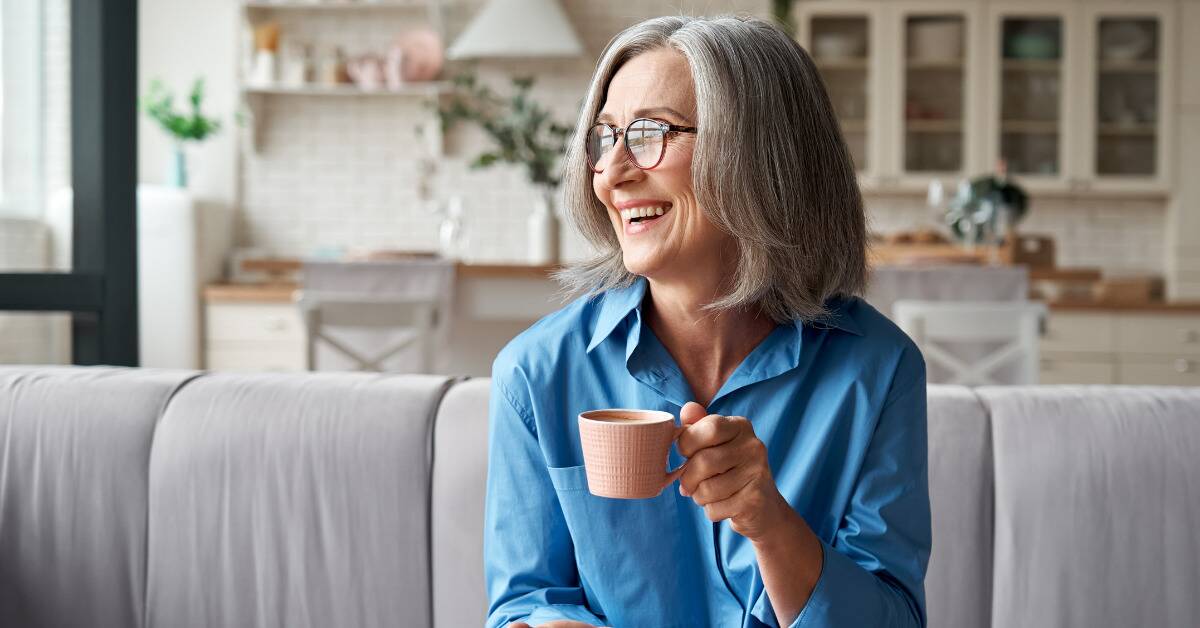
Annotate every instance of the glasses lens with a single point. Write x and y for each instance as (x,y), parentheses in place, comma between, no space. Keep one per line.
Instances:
(600,142)
(645,140)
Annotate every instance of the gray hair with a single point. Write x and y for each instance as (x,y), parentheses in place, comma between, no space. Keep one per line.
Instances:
(770,168)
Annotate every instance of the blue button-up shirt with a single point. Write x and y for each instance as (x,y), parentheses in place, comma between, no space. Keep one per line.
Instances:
(840,406)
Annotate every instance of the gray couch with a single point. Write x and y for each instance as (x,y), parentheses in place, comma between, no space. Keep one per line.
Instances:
(177,499)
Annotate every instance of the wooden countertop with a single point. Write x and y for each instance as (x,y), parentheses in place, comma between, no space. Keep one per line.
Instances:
(1149,307)
(282,292)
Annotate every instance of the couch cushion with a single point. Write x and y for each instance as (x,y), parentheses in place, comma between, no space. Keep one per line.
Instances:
(74,454)
(292,500)
(459,484)
(1097,506)
(959,579)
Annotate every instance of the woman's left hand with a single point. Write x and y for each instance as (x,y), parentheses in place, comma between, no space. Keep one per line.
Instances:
(727,472)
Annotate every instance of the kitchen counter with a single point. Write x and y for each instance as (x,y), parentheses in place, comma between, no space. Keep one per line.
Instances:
(282,292)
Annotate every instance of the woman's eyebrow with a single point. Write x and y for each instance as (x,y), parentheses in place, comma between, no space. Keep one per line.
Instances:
(649,112)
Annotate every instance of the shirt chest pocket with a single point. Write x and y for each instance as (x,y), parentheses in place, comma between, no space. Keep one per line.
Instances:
(628,549)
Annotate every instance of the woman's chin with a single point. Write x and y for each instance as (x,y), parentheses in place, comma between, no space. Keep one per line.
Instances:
(644,265)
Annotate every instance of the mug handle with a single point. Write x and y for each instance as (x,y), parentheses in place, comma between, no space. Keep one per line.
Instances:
(674,475)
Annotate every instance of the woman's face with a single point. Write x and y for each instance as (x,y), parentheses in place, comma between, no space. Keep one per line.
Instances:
(681,242)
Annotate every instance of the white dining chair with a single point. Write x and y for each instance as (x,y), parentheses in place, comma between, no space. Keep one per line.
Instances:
(975,343)
(384,316)
(413,320)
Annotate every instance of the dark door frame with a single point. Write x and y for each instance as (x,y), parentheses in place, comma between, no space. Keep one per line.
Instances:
(100,292)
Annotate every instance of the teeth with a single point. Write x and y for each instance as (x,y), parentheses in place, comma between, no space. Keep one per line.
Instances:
(642,212)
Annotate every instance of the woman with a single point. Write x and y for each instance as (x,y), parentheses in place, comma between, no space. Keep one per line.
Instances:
(709,171)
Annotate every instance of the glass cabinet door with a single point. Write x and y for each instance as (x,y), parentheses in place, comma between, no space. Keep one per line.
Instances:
(934,93)
(840,45)
(1127,52)
(1030,92)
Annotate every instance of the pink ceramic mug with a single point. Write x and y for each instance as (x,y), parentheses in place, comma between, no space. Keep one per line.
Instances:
(625,452)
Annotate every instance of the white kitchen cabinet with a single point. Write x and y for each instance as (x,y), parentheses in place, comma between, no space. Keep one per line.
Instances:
(844,39)
(1074,95)
(1118,347)
(935,100)
(1126,111)
(1033,63)
(254,336)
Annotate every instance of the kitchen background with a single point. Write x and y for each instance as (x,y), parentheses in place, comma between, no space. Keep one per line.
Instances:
(313,174)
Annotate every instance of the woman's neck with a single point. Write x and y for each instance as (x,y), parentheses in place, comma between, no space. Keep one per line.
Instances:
(706,345)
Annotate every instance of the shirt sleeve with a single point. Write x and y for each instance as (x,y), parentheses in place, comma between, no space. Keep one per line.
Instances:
(874,571)
(529,559)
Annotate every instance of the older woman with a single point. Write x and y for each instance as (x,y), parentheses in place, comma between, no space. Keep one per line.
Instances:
(709,171)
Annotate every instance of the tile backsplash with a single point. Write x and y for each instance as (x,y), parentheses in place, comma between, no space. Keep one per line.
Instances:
(337,173)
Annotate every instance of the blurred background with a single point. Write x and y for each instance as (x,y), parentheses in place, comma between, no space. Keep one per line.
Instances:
(372,184)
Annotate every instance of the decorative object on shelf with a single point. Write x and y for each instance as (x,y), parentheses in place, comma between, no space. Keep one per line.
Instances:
(525,134)
(1124,40)
(987,208)
(331,67)
(838,45)
(1031,45)
(158,103)
(297,65)
(366,71)
(517,28)
(266,43)
(420,54)
(451,239)
(936,39)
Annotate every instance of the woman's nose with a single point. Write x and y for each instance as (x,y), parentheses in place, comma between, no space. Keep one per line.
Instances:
(618,168)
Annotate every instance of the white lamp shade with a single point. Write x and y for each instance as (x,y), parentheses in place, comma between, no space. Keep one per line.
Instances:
(517,28)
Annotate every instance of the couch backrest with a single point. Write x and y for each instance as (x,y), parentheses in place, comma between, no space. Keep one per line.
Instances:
(298,501)
(74,468)
(958,582)
(150,498)
(460,457)
(1097,516)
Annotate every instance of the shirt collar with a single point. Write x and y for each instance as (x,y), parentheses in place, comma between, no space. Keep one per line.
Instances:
(616,305)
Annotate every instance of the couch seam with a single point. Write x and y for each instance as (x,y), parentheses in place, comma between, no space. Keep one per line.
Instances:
(431,429)
(991,448)
(162,411)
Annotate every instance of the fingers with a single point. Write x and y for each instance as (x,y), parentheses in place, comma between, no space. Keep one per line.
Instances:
(710,431)
(691,412)
(721,487)
(708,462)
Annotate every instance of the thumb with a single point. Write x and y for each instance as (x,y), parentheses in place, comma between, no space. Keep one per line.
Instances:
(691,412)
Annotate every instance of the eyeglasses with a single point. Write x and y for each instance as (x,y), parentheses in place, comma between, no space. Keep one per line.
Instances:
(645,142)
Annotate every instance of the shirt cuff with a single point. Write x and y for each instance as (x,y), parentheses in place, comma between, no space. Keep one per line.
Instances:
(544,614)
(846,595)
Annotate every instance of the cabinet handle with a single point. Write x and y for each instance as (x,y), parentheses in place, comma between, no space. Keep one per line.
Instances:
(1183,366)
(1187,335)
(276,324)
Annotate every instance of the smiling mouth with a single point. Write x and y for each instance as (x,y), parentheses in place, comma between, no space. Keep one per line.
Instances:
(636,215)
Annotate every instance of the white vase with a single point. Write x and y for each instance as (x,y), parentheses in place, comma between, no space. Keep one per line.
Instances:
(543,231)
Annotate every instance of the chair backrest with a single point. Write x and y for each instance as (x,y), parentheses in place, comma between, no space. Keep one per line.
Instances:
(941,329)
(368,315)
(411,322)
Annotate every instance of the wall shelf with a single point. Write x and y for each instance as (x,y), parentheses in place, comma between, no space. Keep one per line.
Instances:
(328,5)
(424,89)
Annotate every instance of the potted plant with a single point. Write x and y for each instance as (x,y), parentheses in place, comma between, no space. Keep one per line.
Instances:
(990,205)
(158,103)
(522,132)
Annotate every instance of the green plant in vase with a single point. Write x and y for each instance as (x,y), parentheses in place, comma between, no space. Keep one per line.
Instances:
(187,126)
(987,207)
(522,132)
